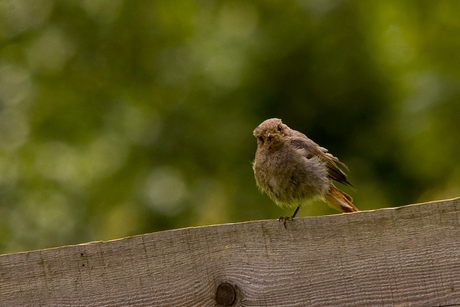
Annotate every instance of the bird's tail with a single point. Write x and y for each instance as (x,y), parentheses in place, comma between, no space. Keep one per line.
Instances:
(340,200)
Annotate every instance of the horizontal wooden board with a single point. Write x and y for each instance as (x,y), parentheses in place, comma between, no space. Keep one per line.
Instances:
(406,256)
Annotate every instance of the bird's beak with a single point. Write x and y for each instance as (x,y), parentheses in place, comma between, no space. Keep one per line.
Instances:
(271,135)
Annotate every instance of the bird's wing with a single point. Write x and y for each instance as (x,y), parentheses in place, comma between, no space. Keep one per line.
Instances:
(312,149)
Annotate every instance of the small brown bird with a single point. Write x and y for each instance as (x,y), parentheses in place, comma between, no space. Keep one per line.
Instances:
(294,170)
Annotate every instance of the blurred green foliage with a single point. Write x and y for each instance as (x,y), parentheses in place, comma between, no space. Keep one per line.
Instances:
(125,117)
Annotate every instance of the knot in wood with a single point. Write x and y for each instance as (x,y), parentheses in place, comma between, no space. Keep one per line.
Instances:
(225,294)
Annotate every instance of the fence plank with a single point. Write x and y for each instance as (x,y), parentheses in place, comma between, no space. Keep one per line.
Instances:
(407,256)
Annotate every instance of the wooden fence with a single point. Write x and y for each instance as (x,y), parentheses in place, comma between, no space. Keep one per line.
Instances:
(407,256)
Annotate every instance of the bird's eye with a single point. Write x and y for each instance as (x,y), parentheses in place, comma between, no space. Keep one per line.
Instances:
(261,139)
(280,128)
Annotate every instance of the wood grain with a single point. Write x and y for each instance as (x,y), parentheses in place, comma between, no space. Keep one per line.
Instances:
(407,256)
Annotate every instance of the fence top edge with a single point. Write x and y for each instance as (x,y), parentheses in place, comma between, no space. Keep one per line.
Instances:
(371,213)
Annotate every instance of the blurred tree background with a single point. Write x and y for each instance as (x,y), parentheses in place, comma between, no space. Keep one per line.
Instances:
(125,117)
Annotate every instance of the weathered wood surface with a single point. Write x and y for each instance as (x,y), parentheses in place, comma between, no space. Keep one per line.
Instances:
(408,256)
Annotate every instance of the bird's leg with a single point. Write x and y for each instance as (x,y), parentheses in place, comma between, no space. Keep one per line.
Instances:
(295,212)
(289,218)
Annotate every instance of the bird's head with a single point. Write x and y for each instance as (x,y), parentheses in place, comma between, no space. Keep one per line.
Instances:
(272,133)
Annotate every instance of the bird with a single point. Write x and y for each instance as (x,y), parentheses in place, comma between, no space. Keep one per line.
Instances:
(293,170)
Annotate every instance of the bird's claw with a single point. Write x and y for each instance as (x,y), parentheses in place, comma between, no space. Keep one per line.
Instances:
(284,219)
